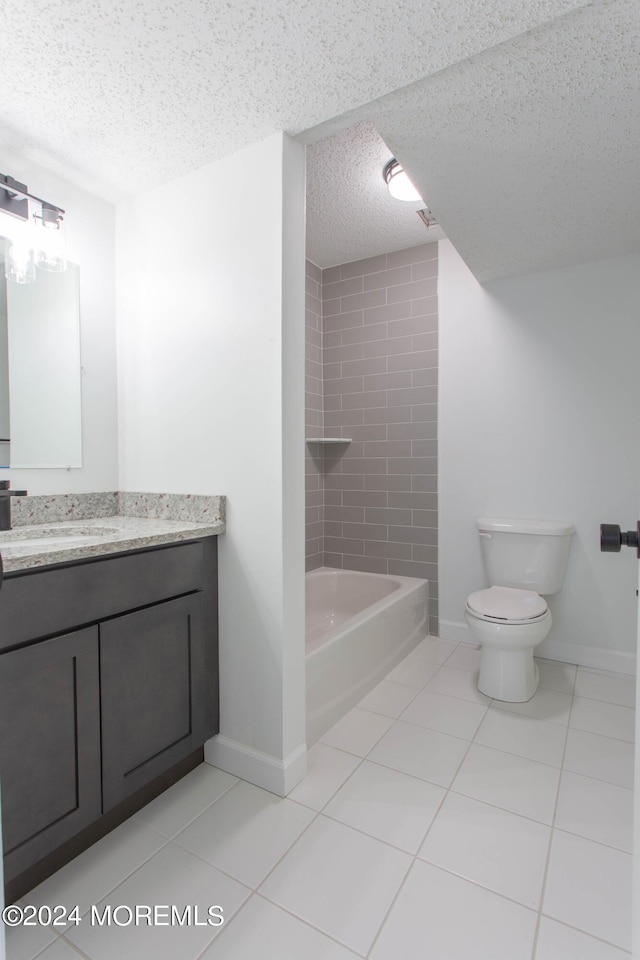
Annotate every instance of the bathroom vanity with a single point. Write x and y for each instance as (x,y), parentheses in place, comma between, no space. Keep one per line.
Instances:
(108,678)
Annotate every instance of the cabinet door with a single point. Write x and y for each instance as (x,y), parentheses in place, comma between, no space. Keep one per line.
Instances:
(156,702)
(49,745)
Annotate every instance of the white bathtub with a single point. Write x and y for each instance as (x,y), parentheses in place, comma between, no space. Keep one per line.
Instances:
(359,625)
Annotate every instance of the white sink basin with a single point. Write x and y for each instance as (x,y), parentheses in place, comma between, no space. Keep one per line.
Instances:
(13,540)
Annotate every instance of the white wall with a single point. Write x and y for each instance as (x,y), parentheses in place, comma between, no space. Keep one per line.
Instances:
(90,226)
(211,305)
(4,380)
(539,401)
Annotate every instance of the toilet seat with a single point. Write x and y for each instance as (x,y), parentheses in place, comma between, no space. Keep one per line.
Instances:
(506,605)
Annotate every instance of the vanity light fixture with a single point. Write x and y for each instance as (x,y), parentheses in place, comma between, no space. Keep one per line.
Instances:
(35,233)
(20,255)
(398,182)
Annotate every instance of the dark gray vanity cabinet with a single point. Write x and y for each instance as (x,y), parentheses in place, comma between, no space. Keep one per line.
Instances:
(50,745)
(108,680)
(155,710)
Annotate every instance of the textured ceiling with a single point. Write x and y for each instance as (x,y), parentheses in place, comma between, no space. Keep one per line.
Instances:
(350,212)
(121,94)
(529,153)
(517,119)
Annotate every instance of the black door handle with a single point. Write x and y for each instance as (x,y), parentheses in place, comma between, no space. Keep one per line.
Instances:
(612,539)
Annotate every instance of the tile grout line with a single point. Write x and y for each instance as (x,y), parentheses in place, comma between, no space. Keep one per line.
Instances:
(305,922)
(598,843)
(361,832)
(72,946)
(495,706)
(425,835)
(415,856)
(236,879)
(521,756)
(311,925)
(551,828)
(390,907)
(451,790)
(167,842)
(317,813)
(480,886)
(489,707)
(613,703)
(123,879)
(257,891)
(545,875)
(338,788)
(593,936)
(193,819)
(38,953)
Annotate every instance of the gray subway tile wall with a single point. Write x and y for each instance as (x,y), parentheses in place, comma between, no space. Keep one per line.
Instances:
(314,484)
(372,506)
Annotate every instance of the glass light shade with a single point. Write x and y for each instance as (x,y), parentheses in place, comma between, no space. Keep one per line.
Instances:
(398,182)
(20,262)
(50,244)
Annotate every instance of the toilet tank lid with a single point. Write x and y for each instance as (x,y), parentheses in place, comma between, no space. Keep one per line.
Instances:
(543,528)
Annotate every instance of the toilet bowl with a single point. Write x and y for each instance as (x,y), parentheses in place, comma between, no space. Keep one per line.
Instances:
(508,624)
(524,561)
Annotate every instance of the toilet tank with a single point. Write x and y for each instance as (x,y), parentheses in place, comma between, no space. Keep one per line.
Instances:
(529,554)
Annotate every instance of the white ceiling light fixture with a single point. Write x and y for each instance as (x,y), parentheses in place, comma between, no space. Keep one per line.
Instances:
(398,182)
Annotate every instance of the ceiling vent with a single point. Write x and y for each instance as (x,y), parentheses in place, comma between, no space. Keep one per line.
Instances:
(427,217)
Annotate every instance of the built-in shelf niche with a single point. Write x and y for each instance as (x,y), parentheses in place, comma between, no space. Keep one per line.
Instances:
(328,439)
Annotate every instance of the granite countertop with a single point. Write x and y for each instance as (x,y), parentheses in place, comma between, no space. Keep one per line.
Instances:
(68,528)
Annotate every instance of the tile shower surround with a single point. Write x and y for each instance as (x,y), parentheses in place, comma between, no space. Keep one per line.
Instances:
(372,506)
(313,415)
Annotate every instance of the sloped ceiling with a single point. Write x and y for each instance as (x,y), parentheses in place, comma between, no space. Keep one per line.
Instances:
(529,154)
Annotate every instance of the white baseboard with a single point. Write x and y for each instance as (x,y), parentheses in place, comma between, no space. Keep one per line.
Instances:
(271,773)
(450,630)
(597,658)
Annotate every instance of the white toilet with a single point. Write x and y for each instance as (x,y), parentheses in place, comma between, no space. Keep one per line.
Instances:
(522,560)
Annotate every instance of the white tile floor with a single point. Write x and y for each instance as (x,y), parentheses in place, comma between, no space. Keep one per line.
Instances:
(433,823)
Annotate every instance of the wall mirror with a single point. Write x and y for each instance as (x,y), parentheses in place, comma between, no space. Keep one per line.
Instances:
(40,389)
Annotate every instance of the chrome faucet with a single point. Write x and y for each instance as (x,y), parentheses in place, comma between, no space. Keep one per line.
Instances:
(5,503)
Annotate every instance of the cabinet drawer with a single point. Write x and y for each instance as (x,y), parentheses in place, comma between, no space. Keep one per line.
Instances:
(39,603)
